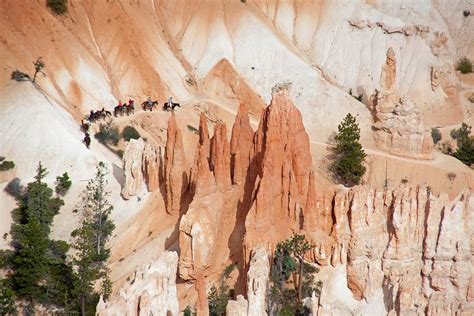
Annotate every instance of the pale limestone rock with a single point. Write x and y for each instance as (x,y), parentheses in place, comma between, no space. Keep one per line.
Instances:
(151,291)
(414,245)
(257,281)
(132,165)
(238,307)
(398,124)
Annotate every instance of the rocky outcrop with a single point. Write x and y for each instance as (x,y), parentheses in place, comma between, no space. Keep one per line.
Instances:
(238,307)
(412,244)
(407,243)
(241,145)
(282,164)
(132,165)
(151,167)
(176,168)
(142,163)
(257,281)
(151,291)
(398,124)
(257,286)
(220,157)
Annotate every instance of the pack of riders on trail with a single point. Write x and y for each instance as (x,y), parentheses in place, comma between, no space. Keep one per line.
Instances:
(121,109)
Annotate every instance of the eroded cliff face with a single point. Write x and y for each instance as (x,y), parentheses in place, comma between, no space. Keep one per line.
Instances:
(151,291)
(407,242)
(246,195)
(413,245)
(142,164)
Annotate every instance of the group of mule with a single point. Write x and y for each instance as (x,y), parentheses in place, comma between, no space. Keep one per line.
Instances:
(121,109)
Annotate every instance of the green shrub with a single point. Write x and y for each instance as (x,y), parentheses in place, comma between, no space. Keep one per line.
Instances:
(63,184)
(129,132)
(464,65)
(108,134)
(58,6)
(19,76)
(436,135)
(14,188)
(6,164)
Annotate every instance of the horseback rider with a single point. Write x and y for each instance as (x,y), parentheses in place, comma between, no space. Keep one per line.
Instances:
(87,140)
(149,102)
(131,102)
(120,103)
(170,102)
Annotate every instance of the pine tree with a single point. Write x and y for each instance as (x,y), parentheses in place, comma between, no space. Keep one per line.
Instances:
(39,271)
(90,239)
(87,270)
(7,299)
(465,151)
(99,208)
(291,277)
(348,165)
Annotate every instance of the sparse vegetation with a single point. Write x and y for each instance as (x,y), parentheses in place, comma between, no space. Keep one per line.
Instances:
(190,81)
(447,148)
(451,176)
(436,135)
(218,297)
(58,6)
(292,278)
(471,97)
(39,65)
(63,184)
(349,156)
(466,13)
(192,129)
(188,311)
(357,97)
(129,132)
(19,76)
(108,134)
(6,164)
(464,65)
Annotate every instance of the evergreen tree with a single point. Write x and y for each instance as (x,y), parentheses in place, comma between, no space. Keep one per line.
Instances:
(7,298)
(289,268)
(90,239)
(465,151)
(98,208)
(348,165)
(39,272)
(87,270)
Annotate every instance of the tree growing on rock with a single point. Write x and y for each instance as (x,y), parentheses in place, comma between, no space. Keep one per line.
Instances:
(291,277)
(349,156)
(39,65)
